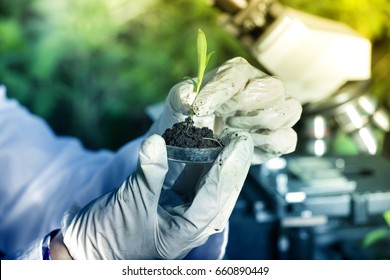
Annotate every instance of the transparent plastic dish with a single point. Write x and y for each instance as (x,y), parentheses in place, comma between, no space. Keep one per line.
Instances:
(193,155)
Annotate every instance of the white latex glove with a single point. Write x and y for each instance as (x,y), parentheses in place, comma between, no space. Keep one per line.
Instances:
(131,223)
(240,96)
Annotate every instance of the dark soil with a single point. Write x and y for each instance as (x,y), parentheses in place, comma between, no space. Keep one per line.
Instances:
(184,134)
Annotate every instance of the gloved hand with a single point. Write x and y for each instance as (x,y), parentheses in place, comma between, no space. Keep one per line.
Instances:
(132,222)
(237,95)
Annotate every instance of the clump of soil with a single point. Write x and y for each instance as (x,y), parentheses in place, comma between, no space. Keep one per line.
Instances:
(184,134)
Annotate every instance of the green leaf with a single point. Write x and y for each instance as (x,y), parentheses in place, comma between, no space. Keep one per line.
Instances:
(203,58)
(208,57)
(374,236)
(386,216)
(378,234)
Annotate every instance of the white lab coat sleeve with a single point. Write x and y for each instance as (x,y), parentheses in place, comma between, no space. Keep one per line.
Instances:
(42,175)
(32,251)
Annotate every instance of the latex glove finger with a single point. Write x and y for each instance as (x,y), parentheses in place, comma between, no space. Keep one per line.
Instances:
(220,187)
(153,162)
(282,115)
(181,96)
(270,144)
(223,83)
(255,95)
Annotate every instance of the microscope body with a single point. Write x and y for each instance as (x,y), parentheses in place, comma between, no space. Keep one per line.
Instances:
(314,195)
(323,63)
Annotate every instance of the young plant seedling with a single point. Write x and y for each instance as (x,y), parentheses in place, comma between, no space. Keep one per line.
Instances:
(203,60)
(185,142)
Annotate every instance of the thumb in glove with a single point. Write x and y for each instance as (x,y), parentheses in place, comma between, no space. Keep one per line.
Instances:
(122,223)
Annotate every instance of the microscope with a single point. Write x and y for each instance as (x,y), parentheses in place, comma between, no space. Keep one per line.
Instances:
(323,63)
(315,200)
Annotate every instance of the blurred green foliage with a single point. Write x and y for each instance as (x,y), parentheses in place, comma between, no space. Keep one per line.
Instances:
(90,67)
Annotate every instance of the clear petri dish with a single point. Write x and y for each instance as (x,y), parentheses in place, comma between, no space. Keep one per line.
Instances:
(193,155)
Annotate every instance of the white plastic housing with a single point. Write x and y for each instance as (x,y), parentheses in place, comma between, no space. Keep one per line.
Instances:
(314,56)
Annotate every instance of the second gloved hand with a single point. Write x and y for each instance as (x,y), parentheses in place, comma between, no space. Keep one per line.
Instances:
(239,96)
(130,222)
